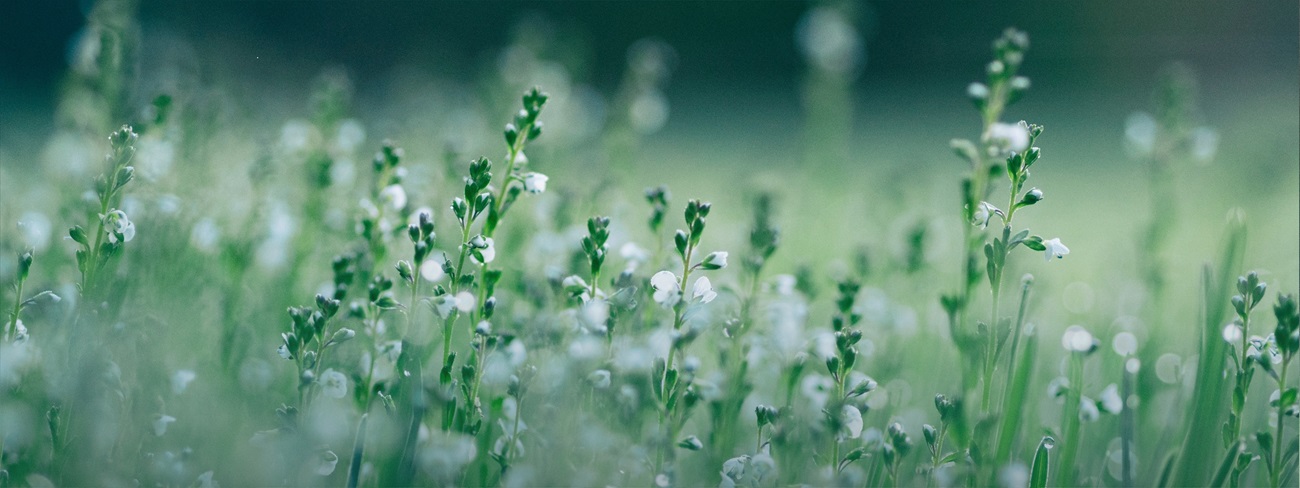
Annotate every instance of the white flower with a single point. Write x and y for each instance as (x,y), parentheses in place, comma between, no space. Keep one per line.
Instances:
(535,182)
(465,301)
(634,254)
(983,212)
(1013,137)
(852,419)
(483,249)
(431,270)
(977,91)
(117,225)
(1110,400)
(703,290)
(785,284)
(1088,411)
(326,462)
(333,384)
(667,290)
(599,379)
(1077,339)
(1140,131)
(181,380)
(160,423)
(283,351)
(715,260)
(393,196)
(1231,333)
(205,480)
(1054,249)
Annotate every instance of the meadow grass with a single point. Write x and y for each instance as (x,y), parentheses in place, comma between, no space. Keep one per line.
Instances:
(286,310)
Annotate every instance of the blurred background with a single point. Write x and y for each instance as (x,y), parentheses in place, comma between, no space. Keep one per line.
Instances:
(258,120)
(843,110)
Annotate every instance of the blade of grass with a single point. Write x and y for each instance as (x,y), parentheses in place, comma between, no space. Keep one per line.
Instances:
(1208,402)
(1038,471)
(1229,460)
(1014,403)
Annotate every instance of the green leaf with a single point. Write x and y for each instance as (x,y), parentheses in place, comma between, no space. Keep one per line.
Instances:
(1265,439)
(1229,460)
(1038,470)
(1035,243)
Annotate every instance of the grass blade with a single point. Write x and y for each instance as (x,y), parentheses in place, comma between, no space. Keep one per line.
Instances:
(1209,400)
(1039,470)
(1229,460)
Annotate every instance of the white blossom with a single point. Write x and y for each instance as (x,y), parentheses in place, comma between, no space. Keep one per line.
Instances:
(484,249)
(703,290)
(334,384)
(1013,137)
(118,226)
(181,380)
(667,290)
(715,260)
(1054,249)
(852,419)
(160,423)
(1077,339)
(1110,400)
(535,182)
(393,196)
(599,379)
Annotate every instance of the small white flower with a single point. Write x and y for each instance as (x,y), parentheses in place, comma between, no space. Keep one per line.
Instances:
(715,260)
(599,379)
(393,196)
(465,301)
(333,384)
(1232,333)
(181,380)
(283,351)
(852,419)
(535,182)
(983,212)
(160,423)
(667,290)
(205,480)
(1077,339)
(977,91)
(431,270)
(326,462)
(484,249)
(1054,249)
(1088,411)
(1013,137)
(117,225)
(703,290)
(633,254)
(1110,400)
(785,284)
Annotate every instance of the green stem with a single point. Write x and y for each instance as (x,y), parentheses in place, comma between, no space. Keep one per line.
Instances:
(1070,419)
(1276,472)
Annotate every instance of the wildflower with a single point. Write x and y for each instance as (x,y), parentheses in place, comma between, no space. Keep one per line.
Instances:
(599,379)
(715,260)
(181,380)
(118,226)
(1012,137)
(1054,249)
(283,351)
(465,301)
(535,182)
(667,290)
(1110,400)
(977,91)
(160,423)
(852,419)
(326,462)
(1231,333)
(983,212)
(482,249)
(334,384)
(703,290)
(1078,339)
(634,254)
(1088,411)
(393,196)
